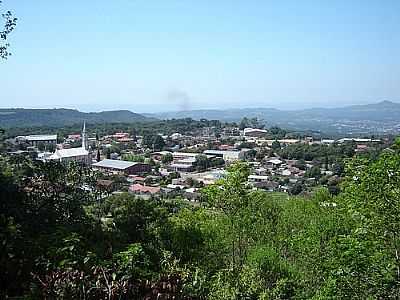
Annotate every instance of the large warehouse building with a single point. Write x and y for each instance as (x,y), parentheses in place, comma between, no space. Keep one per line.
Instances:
(122,167)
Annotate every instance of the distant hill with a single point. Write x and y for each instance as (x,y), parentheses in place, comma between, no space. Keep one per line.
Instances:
(380,117)
(19,117)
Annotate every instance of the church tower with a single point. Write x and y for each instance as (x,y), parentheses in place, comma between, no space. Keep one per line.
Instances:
(85,143)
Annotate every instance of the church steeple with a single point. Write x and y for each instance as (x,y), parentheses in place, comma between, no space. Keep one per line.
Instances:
(85,144)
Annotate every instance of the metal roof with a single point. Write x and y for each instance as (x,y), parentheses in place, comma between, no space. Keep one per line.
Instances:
(114,164)
(40,137)
(72,152)
(182,166)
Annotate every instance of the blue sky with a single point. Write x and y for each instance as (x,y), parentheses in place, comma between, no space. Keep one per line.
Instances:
(150,56)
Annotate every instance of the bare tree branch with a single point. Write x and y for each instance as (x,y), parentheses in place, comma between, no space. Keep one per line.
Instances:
(9,24)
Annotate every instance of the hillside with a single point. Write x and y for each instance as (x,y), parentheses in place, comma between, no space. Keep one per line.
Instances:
(60,117)
(371,118)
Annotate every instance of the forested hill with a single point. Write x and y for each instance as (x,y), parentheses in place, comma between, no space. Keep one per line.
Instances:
(378,117)
(60,117)
(381,111)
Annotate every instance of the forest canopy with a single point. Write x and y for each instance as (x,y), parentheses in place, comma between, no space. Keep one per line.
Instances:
(62,241)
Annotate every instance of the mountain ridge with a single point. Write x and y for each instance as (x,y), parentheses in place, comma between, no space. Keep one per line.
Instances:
(380,117)
(22,117)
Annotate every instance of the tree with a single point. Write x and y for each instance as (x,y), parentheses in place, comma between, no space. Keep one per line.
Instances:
(108,153)
(153,142)
(244,123)
(134,158)
(277,132)
(202,162)
(314,172)
(9,24)
(158,142)
(41,146)
(189,181)
(301,164)
(296,189)
(231,196)
(371,200)
(167,158)
(276,145)
(150,161)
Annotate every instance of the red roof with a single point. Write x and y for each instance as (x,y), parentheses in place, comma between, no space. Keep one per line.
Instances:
(225,147)
(137,178)
(138,188)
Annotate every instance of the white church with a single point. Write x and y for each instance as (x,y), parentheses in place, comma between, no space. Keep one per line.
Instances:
(80,154)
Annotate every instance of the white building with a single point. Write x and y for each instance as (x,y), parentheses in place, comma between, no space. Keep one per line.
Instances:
(80,154)
(254,132)
(228,155)
(35,140)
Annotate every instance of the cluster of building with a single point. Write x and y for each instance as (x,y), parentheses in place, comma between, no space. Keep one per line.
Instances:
(182,173)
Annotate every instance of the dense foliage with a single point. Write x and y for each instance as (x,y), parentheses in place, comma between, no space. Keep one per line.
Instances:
(61,238)
(150,127)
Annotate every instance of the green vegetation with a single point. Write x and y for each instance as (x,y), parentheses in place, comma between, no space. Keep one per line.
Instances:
(133,157)
(10,118)
(154,142)
(133,127)
(61,238)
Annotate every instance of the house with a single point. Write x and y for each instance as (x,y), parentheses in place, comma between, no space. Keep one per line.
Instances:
(181,167)
(122,167)
(266,185)
(184,162)
(227,155)
(73,138)
(327,142)
(282,141)
(254,132)
(261,171)
(225,147)
(144,190)
(175,186)
(361,148)
(258,178)
(107,186)
(120,135)
(176,136)
(274,162)
(159,155)
(182,155)
(136,179)
(358,140)
(209,177)
(35,140)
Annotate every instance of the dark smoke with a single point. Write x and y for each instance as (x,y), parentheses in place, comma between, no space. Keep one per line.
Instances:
(180,97)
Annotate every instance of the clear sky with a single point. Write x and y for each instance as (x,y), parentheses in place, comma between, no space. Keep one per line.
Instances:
(148,55)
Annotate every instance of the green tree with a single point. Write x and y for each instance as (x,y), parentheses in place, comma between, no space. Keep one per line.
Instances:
(153,142)
(314,172)
(276,145)
(167,158)
(231,197)
(133,157)
(202,162)
(301,164)
(296,189)
(368,256)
